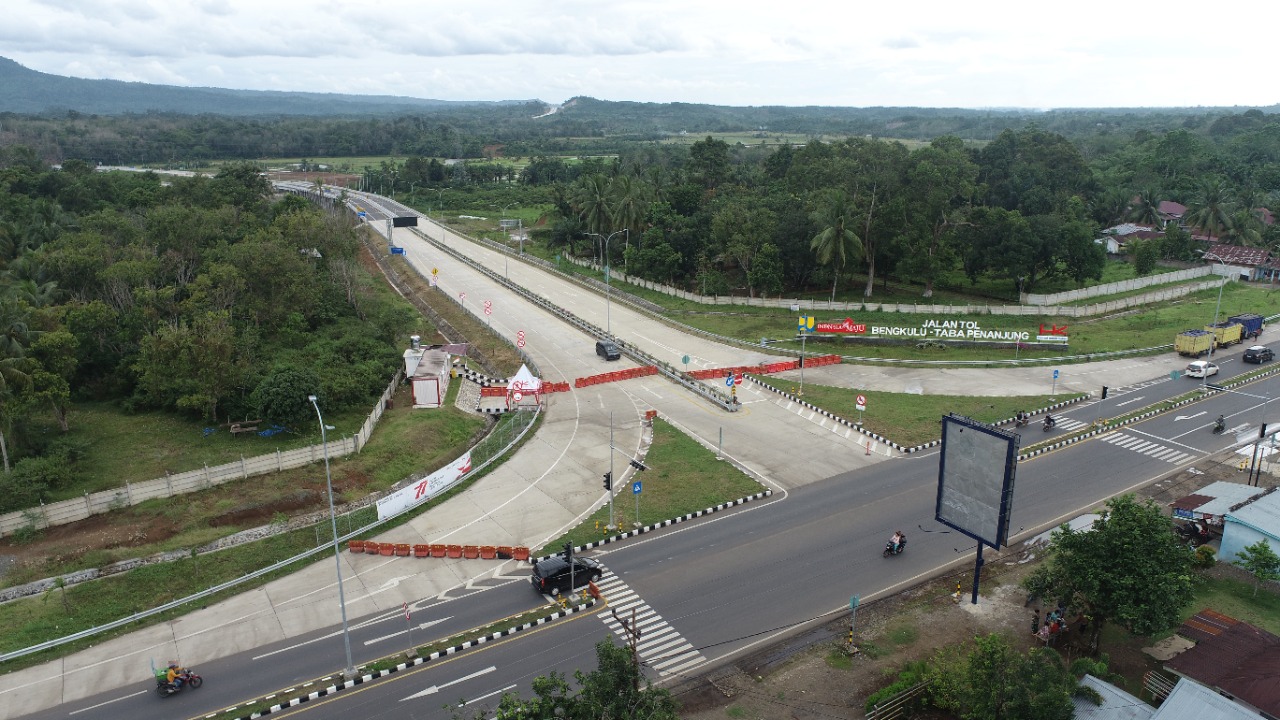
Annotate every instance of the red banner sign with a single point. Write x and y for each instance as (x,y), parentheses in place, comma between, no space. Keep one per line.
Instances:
(847,326)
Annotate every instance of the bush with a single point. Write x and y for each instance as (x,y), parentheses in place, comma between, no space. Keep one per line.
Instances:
(1204,557)
(909,676)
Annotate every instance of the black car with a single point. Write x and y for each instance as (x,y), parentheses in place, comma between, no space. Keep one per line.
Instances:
(551,575)
(607,350)
(1258,354)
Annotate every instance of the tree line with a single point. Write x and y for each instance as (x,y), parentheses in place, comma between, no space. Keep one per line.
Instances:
(205,297)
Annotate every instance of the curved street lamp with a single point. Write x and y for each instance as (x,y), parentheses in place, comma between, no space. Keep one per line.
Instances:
(607,308)
(1204,384)
(350,671)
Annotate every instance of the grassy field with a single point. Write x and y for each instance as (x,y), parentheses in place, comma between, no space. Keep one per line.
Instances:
(682,477)
(906,419)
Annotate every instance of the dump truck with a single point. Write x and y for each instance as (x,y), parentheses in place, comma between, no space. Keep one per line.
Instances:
(1227,333)
(1193,343)
(1251,322)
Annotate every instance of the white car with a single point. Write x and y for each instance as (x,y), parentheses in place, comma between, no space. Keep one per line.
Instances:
(1201,369)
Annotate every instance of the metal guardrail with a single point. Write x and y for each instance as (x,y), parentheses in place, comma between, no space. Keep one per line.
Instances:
(724,401)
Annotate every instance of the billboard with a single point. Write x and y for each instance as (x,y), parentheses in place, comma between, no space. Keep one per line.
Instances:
(405,221)
(976,469)
(424,489)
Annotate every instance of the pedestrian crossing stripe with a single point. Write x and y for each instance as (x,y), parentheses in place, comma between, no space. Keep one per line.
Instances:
(660,646)
(1146,447)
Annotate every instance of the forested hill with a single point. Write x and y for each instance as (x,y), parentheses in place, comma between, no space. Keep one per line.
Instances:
(30,92)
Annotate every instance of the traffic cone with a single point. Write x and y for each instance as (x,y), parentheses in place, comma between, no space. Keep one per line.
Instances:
(868,447)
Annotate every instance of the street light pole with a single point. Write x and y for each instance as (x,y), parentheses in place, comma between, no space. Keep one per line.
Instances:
(350,670)
(607,309)
(1204,382)
(440,202)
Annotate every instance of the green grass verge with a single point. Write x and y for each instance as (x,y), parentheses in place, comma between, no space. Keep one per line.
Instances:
(683,477)
(908,419)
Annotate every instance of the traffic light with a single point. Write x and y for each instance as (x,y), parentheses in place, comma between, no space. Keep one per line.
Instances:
(568,551)
(608,481)
(639,465)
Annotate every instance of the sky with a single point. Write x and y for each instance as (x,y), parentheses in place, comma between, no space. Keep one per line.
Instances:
(983,54)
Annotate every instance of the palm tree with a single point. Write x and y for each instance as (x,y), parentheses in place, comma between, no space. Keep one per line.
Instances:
(591,197)
(14,337)
(836,244)
(1145,208)
(1211,208)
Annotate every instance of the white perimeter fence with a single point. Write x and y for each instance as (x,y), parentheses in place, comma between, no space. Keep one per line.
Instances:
(69,511)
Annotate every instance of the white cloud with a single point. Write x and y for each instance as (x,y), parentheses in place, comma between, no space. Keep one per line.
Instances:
(748,52)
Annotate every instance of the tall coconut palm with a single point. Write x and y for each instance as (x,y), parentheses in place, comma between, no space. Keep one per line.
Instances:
(592,200)
(1211,208)
(836,244)
(1145,208)
(14,336)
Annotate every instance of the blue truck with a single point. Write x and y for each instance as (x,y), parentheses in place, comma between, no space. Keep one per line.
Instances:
(1251,324)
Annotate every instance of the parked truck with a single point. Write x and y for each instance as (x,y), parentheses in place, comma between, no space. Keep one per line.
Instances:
(1251,322)
(1227,333)
(1193,343)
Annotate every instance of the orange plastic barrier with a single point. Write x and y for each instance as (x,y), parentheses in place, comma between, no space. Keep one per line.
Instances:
(595,591)
(488,552)
(650,414)
(471,552)
(422,551)
(493,391)
(454,551)
(356,546)
(520,553)
(438,551)
(403,550)
(386,549)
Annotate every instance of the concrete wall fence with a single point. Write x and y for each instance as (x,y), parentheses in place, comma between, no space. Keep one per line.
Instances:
(1036,305)
(69,511)
(1121,286)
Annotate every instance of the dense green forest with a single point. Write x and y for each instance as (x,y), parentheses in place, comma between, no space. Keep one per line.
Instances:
(203,297)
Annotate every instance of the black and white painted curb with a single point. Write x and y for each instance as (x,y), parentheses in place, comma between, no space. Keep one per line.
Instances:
(331,689)
(1226,387)
(668,523)
(480,378)
(885,440)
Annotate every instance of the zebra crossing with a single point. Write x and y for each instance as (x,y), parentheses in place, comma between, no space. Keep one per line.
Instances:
(660,646)
(1146,447)
(1065,423)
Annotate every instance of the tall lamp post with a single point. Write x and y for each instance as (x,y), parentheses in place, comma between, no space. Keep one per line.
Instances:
(350,671)
(607,309)
(440,202)
(1204,384)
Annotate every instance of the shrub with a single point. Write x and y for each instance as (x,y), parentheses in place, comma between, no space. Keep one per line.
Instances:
(909,676)
(1204,557)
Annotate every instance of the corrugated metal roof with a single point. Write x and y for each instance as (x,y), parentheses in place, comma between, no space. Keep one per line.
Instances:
(1205,624)
(1116,703)
(1220,496)
(1193,701)
(1262,514)
(1242,661)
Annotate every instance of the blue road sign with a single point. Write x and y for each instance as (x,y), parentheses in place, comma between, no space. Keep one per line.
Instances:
(1055,374)
(728,380)
(397,250)
(635,488)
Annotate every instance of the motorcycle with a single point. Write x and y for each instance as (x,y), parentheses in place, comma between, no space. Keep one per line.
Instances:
(889,549)
(1219,426)
(1022,421)
(1049,423)
(166,688)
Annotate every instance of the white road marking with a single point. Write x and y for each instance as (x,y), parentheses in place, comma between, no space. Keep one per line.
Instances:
(94,707)
(421,626)
(437,688)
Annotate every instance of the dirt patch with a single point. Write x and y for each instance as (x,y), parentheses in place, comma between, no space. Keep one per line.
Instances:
(260,514)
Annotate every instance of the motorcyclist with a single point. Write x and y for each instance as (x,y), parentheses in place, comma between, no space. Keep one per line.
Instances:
(1050,421)
(176,675)
(897,541)
(1022,418)
(1220,424)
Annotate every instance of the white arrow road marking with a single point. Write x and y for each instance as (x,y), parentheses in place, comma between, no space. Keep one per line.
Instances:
(422,626)
(437,688)
(1191,417)
(1126,402)
(395,581)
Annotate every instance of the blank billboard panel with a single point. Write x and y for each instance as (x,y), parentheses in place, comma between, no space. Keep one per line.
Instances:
(405,221)
(976,470)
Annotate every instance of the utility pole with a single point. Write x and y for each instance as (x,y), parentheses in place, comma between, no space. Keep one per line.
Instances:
(633,638)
